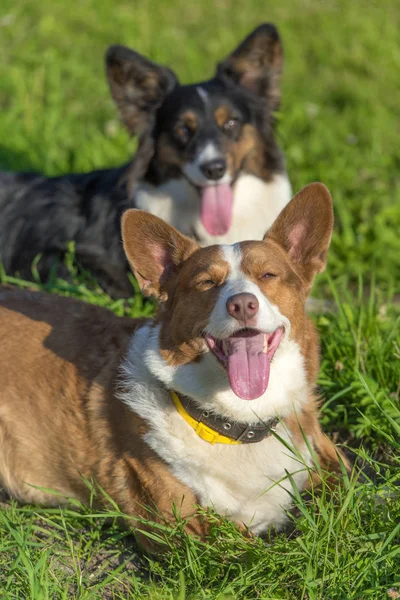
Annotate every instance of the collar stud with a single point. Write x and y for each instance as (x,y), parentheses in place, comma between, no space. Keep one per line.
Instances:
(216,430)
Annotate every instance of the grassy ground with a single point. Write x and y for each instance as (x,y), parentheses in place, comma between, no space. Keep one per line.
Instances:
(339,124)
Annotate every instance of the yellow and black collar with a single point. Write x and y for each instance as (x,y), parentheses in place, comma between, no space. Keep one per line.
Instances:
(218,430)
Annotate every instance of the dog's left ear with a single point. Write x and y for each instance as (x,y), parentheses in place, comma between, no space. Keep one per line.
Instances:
(138,86)
(154,250)
(304,229)
(257,64)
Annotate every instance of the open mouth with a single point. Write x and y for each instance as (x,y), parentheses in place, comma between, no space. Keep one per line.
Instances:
(247,356)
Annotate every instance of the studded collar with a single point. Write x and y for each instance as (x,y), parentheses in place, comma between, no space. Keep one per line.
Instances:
(219,430)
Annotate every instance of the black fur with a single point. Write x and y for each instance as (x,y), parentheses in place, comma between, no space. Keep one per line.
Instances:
(40,216)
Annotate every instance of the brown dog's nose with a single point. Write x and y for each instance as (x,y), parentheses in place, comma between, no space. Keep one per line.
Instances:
(242,306)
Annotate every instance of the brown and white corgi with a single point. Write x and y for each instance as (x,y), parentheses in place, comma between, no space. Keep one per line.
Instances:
(200,405)
(207,163)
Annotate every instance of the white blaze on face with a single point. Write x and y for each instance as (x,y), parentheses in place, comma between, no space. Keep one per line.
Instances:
(216,196)
(192,169)
(204,97)
(209,383)
(246,353)
(221,324)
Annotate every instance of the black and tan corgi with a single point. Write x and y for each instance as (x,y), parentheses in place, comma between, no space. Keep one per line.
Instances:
(207,163)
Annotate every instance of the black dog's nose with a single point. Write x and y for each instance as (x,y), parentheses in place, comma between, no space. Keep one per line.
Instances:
(242,306)
(214,169)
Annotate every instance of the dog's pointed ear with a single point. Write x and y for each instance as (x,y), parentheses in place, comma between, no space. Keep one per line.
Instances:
(138,86)
(304,229)
(257,64)
(154,250)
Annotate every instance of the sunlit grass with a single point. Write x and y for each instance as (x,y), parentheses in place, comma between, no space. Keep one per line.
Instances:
(338,124)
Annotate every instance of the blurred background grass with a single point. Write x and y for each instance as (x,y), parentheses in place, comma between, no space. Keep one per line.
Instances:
(339,121)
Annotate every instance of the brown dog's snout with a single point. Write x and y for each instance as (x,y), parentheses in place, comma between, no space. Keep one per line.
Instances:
(242,306)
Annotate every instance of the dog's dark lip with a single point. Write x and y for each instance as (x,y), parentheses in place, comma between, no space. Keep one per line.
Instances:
(199,188)
(271,342)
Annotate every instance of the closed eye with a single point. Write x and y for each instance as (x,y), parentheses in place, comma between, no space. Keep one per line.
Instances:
(206,284)
(268,276)
(209,282)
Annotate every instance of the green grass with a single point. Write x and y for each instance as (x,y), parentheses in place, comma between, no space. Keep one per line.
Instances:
(338,124)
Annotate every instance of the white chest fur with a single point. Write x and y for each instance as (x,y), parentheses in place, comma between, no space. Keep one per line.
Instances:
(256,205)
(248,483)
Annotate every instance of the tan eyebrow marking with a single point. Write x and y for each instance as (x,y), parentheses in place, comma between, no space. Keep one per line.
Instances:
(244,149)
(222,114)
(190,120)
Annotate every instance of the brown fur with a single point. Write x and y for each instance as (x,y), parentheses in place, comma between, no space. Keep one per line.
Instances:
(306,240)
(61,422)
(190,120)
(221,115)
(240,151)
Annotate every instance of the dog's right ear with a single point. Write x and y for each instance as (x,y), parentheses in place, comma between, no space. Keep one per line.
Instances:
(138,86)
(154,250)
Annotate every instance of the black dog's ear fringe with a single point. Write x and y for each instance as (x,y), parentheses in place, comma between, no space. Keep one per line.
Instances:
(257,64)
(138,86)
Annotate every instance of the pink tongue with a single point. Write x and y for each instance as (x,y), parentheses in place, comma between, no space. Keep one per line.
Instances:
(248,366)
(216,208)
